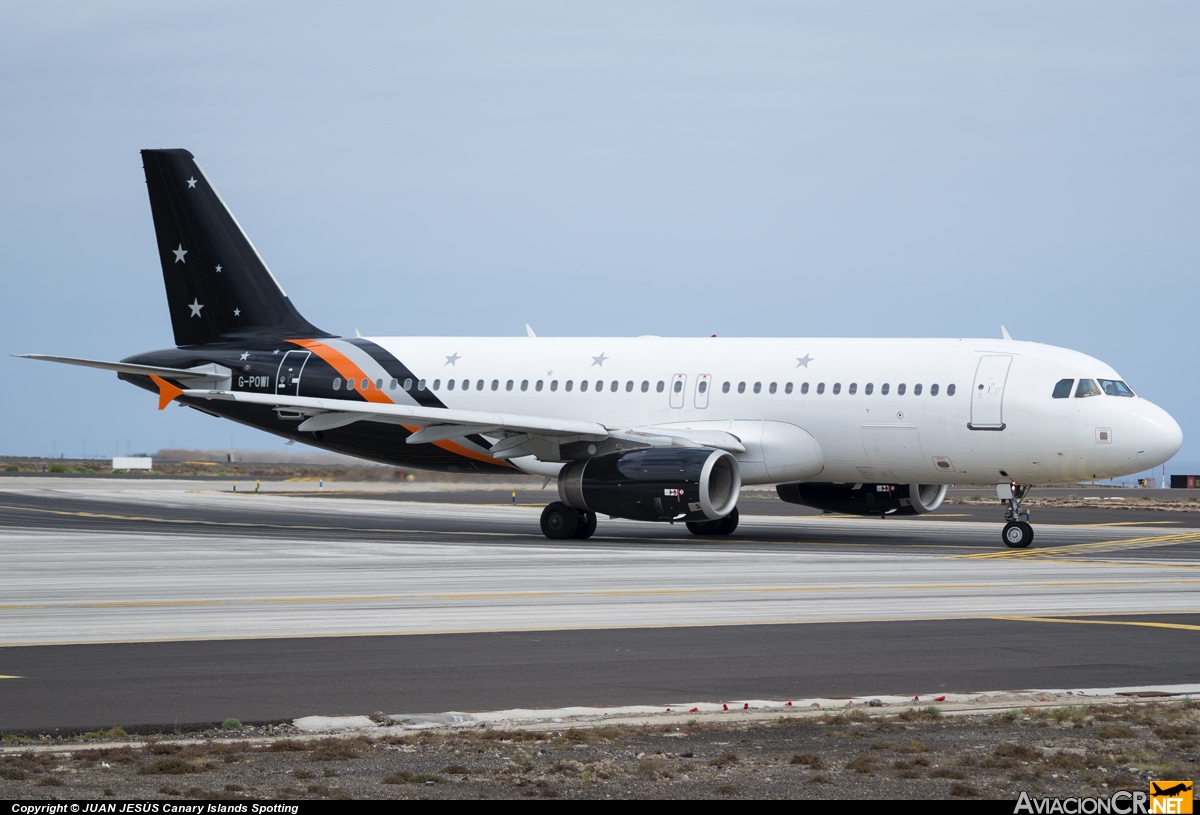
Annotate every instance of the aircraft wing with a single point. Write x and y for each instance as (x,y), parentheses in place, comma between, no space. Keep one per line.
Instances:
(521,433)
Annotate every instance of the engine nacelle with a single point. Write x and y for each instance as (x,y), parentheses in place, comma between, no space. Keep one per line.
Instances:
(866,499)
(688,484)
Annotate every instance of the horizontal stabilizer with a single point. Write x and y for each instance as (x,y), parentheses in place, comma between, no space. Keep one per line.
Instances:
(213,372)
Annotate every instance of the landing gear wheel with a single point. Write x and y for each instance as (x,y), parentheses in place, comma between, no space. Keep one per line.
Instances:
(1017,534)
(587,524)
(560,521)
(704,528)
(728,524)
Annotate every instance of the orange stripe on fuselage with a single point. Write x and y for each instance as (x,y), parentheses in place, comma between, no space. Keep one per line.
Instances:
(342,364)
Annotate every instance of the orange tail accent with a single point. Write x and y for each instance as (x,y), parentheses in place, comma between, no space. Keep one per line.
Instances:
(166,391)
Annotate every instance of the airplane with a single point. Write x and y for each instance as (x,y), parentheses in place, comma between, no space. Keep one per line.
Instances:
(644,428)
(1170,792)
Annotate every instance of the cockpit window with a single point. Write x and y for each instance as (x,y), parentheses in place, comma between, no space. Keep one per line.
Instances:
(1086,388)
(1115,387)
(1063,389)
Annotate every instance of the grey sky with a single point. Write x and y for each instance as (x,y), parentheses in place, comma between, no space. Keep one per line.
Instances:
(774,169)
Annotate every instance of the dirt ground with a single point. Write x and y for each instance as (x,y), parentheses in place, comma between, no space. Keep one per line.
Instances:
(917,753)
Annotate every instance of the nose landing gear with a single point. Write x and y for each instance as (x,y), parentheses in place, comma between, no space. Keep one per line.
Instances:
(1017,533)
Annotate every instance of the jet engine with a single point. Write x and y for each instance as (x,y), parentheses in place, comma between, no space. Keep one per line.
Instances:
(866,499)
(683,484)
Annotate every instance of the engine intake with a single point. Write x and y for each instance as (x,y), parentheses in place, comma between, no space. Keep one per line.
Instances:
(866,499)
(689,484)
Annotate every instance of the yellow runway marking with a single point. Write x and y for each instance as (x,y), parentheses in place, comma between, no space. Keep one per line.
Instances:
(1131,523)
(658,592)
(1086,548)
(2,676)
(1085,621)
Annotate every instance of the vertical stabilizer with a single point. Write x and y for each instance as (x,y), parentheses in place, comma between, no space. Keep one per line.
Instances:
(218,288)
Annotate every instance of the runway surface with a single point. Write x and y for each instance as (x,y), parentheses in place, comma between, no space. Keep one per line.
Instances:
(127,603)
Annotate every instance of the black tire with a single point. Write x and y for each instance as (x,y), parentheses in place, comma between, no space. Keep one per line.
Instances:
(559,521)
(1017,534)
(728,524)
(587,525)
(703,528)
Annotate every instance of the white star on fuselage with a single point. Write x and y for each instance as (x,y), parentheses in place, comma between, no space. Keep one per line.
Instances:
(599,360)
(192,183)
(244,356)
(237,312)
(179,253)
(218,268)
(275,352)
(195,306)
(453,358)
(802,362)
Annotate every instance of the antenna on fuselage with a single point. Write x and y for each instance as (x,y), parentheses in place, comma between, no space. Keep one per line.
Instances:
(1004,332)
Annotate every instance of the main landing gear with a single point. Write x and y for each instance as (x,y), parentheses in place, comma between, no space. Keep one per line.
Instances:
(561,522)
(721,526)
(1017,533)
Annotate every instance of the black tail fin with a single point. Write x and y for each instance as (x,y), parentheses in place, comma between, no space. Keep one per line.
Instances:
(218,288)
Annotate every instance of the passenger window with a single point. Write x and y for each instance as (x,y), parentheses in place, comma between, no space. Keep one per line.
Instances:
(725,388)
(741,387)
(702,387)
(524,385)
(394,384)
(466,385)
(820,387)
(437,383)
(570,384)
(350,384)
(553,385)
(837,388)
(678,387)
(787,388)
(337,384)
(804,388)
(583,386)
(366,384)
(758,387)
(495,384)
(378,384)
(508,385)
(933,389)
(659,387)
(883,389)
(538,386)
(420,384)
(1063,389)
(772,387)
(599,385)
(449,384)
(615,384)
(1086,388)
(949,390)
(900,389)
(479,385)
(853,388)
(408,384)
(916,390)
(1115,387)
(629,386)
(645,386)
(870,388)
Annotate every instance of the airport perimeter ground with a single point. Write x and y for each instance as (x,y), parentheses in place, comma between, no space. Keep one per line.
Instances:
(167,606)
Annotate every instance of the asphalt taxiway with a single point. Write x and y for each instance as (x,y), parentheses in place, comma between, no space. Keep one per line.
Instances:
(131,603)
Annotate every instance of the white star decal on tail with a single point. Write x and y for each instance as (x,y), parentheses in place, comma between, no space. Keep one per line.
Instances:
(195,306)
(179,253)
(218,268)
(192,183)
(237,312)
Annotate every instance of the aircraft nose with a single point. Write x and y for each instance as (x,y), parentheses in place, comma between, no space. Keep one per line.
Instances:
(1156,437)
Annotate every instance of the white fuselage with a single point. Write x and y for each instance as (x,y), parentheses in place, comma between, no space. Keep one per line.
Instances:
(924,411)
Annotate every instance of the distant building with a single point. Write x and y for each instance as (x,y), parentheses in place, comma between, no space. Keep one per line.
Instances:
(132,462)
